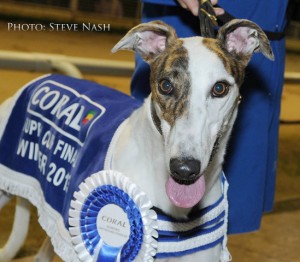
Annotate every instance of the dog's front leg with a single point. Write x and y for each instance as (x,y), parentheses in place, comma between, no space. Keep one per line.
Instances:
(4,198)
(19,230)
(46,252)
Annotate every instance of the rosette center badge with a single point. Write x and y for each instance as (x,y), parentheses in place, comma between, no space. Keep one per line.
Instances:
(113,225)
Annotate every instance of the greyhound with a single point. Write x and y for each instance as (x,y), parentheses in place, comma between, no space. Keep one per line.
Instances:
(173,146)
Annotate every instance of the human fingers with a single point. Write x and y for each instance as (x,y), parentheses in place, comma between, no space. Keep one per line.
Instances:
(193,6)
(218,10)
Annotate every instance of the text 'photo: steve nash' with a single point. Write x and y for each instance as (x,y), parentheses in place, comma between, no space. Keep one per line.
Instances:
(58,27)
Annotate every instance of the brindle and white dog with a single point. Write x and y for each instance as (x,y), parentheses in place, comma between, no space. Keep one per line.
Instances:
(173,146)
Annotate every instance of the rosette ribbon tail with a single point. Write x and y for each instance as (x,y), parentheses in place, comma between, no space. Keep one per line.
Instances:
(109,253)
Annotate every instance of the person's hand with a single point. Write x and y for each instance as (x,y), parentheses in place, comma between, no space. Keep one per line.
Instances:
(193,6)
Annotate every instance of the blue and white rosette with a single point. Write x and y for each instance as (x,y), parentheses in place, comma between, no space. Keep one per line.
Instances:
(111,220)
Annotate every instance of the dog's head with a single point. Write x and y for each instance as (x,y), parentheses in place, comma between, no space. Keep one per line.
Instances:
(195,91)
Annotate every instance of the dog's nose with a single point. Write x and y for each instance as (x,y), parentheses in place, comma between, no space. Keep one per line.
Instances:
(185,170)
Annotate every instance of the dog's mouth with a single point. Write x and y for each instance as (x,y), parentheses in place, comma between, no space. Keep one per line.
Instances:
(185,195)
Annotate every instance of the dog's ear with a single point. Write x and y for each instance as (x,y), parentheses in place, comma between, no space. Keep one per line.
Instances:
(148,39)
(243,37)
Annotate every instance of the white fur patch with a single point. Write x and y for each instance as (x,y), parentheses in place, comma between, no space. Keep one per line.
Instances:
(195,133)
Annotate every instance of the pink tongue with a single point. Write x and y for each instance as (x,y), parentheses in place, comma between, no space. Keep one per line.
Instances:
(185,195)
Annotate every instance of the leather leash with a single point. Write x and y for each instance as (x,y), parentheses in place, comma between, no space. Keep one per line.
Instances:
(207,19)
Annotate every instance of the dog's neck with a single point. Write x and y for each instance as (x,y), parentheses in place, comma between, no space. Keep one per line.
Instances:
(139,153)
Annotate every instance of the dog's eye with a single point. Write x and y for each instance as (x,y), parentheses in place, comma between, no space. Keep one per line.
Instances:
(165,87)
(220,89)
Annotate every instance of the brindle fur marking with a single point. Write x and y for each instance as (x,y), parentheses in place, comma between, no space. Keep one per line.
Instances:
(172,64)
(231,63)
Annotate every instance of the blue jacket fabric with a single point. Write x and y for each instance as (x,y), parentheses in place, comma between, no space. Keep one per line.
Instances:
(58,133)
(270,16)
(251,160)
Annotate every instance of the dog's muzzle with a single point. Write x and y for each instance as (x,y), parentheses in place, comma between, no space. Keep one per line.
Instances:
(185,170)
